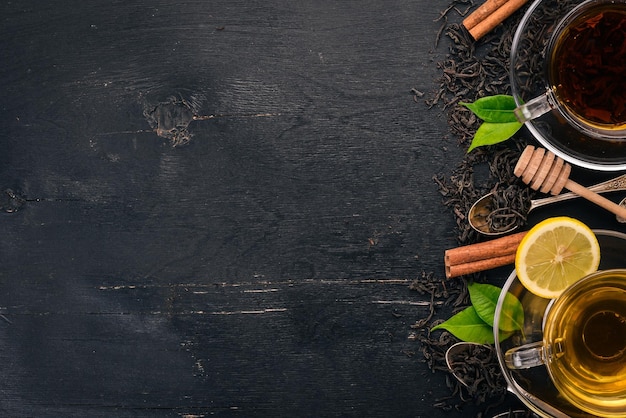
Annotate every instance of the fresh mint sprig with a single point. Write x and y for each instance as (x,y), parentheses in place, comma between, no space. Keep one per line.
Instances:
(475,323)
(499,121)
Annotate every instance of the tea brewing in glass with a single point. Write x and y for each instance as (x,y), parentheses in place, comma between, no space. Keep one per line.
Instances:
(584,344)
(586,71)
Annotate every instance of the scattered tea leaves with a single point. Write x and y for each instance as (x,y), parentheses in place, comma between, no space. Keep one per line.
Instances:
(470,71)
(477,366)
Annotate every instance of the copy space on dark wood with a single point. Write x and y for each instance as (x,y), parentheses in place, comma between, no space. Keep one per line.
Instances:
(218,207)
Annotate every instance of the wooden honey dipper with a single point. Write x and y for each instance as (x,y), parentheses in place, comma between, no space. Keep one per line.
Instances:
(544,171)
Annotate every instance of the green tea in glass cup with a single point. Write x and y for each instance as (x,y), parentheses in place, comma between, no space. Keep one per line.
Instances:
(584,344)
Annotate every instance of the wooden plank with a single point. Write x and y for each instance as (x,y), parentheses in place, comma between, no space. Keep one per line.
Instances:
(195,349)
(261,265)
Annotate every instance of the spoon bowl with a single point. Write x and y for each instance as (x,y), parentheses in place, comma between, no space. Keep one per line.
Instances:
(452,352)
(481,209)
(480,217)
(457,357)
(619,218)
(516,414)
(460,354)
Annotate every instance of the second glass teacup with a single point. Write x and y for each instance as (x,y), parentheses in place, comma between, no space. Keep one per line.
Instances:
(584,344)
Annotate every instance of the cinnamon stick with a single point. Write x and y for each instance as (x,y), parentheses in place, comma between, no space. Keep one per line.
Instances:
(482,12)
(482,256)
(480,265)
(493,19)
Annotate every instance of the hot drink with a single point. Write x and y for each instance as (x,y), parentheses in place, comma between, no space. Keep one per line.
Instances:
(584,344)
(589,357)
(588,66)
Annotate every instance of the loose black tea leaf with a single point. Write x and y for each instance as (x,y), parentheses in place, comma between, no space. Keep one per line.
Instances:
(461,189)
(476,367)
(470,71)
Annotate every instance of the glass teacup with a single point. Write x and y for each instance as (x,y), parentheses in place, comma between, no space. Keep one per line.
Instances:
(545,390)
(584,344)
(581,119)
(585,65)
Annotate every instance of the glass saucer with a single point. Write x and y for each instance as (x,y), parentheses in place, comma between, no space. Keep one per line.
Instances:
(533,386)
(527,74)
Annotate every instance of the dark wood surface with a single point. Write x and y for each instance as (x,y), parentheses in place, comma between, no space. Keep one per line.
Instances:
(254,260)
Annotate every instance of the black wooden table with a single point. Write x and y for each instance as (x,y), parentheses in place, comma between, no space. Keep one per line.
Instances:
(216,208)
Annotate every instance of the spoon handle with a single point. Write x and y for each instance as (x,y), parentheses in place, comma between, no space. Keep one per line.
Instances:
(613,185)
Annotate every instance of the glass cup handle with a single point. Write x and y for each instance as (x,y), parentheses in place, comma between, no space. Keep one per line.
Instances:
(536,107)
(525,356)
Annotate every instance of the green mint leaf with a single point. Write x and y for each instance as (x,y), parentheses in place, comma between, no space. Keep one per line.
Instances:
(484,299)
(494,109)
(492,133)
(468,326)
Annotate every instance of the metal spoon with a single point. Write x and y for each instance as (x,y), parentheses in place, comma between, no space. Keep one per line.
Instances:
(516,414)
(482,206)
(619,218)
(456,352)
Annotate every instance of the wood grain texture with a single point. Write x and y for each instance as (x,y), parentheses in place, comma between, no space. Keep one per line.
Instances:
(260,267)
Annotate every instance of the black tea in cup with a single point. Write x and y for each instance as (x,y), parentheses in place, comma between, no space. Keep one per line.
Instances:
(588,65)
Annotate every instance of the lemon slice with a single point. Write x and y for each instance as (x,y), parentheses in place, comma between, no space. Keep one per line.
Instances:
(554,254)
